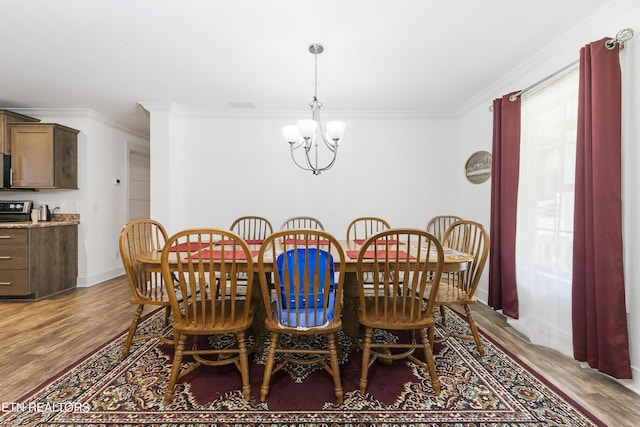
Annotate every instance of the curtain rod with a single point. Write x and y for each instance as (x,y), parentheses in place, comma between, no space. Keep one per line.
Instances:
(541,81)
(621,37)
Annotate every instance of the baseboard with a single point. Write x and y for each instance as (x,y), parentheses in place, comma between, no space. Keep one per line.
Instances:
(634,383)
(87,281)
(482,295)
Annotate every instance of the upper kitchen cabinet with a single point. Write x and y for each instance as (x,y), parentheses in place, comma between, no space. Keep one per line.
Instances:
(7,117)
(44,155)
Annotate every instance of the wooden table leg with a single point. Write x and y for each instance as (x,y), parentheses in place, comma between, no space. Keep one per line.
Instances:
(350,323)
(256,298)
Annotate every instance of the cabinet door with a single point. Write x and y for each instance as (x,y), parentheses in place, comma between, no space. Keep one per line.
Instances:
(32,157)
(7,117)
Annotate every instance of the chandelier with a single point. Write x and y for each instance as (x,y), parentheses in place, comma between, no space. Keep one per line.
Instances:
(309,132)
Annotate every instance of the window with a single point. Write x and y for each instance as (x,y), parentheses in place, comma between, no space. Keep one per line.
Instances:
(544,235)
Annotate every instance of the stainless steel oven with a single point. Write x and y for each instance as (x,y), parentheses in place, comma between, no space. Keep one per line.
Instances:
(15,210)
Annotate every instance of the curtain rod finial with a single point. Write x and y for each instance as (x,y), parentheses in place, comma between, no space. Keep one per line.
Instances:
(621,37)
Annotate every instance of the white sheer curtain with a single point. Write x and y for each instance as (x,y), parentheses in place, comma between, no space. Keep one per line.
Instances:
(544,231)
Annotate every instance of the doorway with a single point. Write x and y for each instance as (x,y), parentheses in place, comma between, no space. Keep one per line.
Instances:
(139,185)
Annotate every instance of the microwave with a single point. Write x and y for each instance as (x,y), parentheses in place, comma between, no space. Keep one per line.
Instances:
(5,171)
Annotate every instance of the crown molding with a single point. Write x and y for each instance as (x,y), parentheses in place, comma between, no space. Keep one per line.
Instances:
(77,112)
(180,111)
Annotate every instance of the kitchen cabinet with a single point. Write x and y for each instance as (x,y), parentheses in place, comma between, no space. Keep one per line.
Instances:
(37,262)
(7,117)
(44,155)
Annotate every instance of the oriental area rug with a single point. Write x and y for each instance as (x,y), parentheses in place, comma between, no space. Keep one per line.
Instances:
(494,390)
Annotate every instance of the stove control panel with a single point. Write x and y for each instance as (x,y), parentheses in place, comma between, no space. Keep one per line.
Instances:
(16,206)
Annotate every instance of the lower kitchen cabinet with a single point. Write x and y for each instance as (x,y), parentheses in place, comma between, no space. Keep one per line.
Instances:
(38,261)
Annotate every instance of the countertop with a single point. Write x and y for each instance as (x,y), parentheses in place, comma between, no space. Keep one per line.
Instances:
(57,220)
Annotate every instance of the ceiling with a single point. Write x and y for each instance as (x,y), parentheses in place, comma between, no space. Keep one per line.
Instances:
(423,56)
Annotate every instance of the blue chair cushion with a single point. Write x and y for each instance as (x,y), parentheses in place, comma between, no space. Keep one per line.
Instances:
(310,310)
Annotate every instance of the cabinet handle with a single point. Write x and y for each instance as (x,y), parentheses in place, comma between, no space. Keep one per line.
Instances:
(5,257)
(5,283)
(5,237)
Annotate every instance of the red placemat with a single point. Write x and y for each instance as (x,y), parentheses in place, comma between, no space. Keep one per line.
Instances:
(225,242)
(381,254)
(218,254)
(190,247)
(231,242)
(304,241)
(379,241)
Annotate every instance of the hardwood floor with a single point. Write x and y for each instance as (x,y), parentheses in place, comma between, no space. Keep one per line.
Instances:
(610,401)
(42,338)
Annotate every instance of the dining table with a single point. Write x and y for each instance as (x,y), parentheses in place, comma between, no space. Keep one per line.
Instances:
(453,261)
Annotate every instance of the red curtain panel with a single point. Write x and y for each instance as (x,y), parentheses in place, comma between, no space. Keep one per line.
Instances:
(600,334)
(503,294)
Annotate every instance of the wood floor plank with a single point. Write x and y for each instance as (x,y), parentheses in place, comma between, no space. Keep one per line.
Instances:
(42,338)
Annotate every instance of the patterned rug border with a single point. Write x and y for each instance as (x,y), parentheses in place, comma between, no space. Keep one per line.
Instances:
(553,387)
(284,418)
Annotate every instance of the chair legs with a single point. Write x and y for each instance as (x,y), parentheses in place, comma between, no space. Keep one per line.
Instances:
(472,326)
(241,362)
(431,365)
(333,367)
(366,354)
(131,336)
(244,366)
(175,368)
(268,368)
(132,332)
(443,315)
(427,339)
(474,330)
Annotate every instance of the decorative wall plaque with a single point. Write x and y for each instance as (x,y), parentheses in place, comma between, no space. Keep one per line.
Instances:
(478,167)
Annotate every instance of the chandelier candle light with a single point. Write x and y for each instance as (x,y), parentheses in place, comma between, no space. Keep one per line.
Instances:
(308,131)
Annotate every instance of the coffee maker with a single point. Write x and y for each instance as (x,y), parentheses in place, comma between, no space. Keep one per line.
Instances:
(45,213)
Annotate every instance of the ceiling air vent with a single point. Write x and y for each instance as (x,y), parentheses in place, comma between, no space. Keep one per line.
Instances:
(243,105)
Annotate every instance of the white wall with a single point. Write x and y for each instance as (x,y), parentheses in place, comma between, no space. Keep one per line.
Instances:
(475,132)
(102,156)
(224,167)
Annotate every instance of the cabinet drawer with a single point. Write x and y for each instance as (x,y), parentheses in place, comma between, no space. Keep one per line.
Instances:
(13,249)
(9,237)
(13,282)
(13,259)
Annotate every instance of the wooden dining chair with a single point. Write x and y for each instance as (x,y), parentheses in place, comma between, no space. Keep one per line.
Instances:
(305,299)
(438,225)
(399,305)
(253,229)
(298,222)
(459,288)
(147,288)
(361,228)
(197,258)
